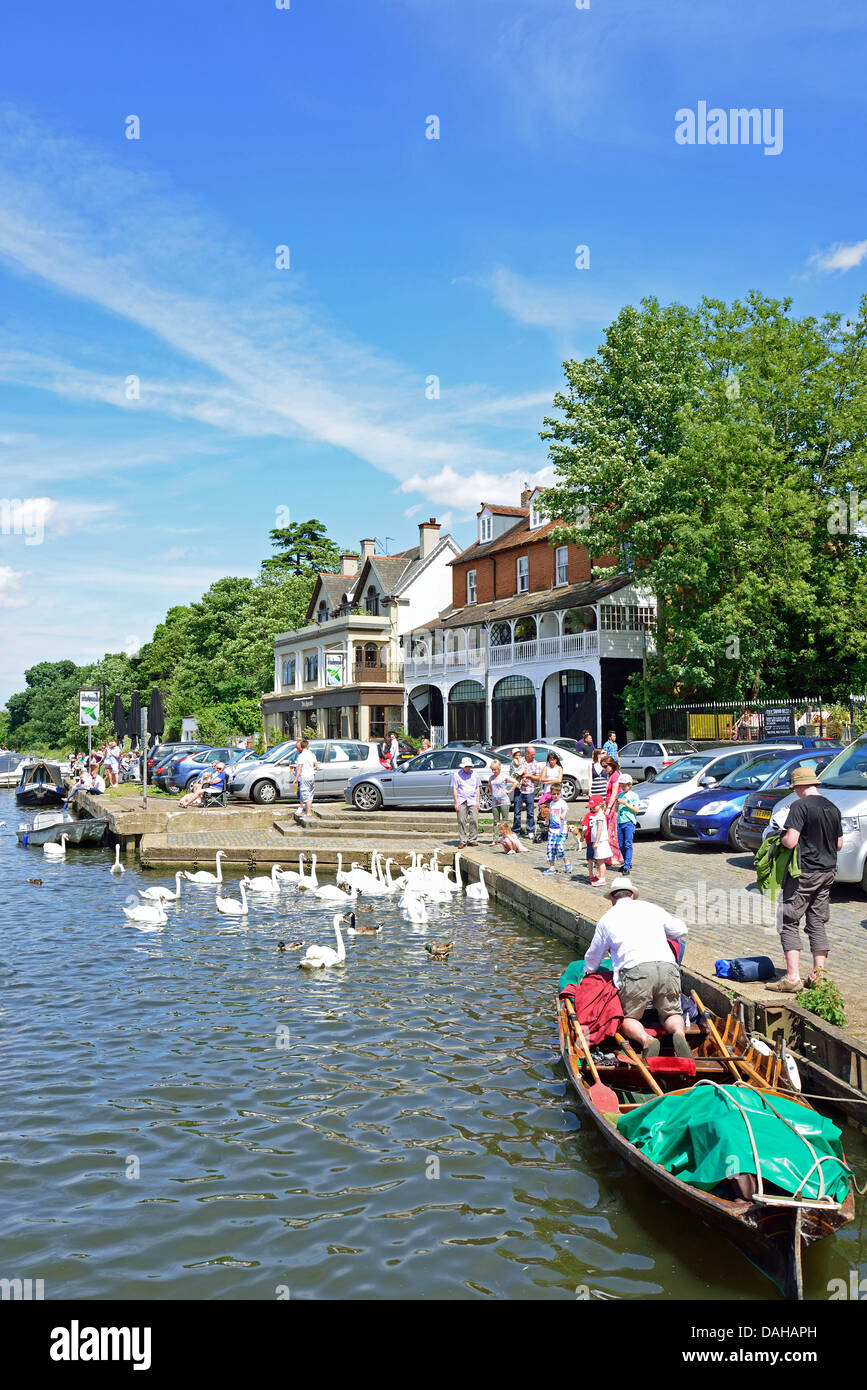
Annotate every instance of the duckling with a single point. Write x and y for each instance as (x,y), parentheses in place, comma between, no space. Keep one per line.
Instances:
(293,946)
(440,950)
(37,881)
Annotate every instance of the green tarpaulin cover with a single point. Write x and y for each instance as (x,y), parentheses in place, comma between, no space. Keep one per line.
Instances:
(701,1137)
(575,971)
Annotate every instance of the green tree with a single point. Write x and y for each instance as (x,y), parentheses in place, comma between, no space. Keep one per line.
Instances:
(302,549)
(703,453)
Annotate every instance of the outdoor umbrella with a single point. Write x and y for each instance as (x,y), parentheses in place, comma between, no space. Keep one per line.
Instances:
(119,719)
(135,719)
(156,715)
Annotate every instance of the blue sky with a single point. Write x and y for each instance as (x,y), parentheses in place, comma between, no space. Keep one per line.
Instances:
(410,257)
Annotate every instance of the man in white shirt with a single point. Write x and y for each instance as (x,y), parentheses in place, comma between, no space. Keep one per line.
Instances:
(306,768)
(635,935)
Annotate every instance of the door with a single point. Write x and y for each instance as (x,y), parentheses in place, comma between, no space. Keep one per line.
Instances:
(343,760)
(630,757)
(427,780)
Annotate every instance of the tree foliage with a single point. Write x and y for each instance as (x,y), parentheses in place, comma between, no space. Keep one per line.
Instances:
(709,454)
(303,549)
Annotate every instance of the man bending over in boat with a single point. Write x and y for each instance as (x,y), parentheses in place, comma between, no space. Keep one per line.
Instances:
(635,934)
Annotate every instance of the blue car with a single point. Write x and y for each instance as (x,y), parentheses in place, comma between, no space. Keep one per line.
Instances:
(710,816)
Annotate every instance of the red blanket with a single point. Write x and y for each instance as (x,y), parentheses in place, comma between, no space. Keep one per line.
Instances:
(597,1006)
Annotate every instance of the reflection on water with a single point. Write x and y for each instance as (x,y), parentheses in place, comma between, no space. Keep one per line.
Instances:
(189,1115)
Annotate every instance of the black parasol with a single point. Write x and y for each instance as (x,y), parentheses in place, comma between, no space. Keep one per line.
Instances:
(135,719)
(119,719)
(156,713)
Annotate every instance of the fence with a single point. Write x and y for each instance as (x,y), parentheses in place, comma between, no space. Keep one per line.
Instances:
(733,720)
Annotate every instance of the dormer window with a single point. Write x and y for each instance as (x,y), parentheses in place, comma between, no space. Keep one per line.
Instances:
(536,517)
(371,602)
(486,527)
(322,613)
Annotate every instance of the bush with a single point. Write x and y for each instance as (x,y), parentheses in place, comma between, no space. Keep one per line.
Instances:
(825,1001)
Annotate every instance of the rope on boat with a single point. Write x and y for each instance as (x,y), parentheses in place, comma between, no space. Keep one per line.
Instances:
(818,1160)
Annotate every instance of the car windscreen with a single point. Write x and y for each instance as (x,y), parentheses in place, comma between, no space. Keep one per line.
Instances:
(752,774)
(683,770)
(679,748)
(848,771)
(275,754)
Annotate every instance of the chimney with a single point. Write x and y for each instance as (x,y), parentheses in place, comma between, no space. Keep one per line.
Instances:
(348,562)
(526,494)
(428,537)
(368,548)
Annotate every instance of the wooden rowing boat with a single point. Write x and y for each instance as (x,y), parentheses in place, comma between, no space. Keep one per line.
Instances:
(771,1229)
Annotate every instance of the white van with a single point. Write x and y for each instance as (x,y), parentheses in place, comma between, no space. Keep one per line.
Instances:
(844,781)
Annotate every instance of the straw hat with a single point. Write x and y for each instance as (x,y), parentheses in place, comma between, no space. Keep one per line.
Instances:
(804,777)
(621,884)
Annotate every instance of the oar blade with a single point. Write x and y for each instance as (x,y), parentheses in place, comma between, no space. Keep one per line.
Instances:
(604,1098)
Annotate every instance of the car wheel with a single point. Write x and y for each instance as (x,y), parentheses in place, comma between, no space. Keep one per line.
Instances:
(570,789)
(264,793)
(650,774)
(733,834)
(366,797)
(665,825)
(485,801)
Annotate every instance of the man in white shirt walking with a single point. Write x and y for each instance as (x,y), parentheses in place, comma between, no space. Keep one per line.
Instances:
(635,935)
(306,768)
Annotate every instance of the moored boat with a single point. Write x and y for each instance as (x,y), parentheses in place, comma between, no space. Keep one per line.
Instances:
(40,784)
(617,1091)
(48,828)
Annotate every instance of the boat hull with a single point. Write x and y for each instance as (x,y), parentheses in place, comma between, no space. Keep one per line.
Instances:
(78,832)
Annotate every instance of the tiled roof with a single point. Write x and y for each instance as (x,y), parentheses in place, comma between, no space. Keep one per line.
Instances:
(517,535)
(503,511)
(522,605)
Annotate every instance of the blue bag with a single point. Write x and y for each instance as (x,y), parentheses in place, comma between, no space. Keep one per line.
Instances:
(723,968)
(747,968)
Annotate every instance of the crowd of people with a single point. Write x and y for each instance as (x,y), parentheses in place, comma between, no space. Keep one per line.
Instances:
(106,766)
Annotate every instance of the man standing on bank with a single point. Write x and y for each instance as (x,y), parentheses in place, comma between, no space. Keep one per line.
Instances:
(524,770)
(467,792)
(813,826)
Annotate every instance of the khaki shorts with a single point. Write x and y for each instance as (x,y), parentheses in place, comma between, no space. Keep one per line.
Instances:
(654,982)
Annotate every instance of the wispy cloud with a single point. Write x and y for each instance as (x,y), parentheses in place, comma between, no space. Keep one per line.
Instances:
(565,308)
(840,258)
(10,588)
(466,490)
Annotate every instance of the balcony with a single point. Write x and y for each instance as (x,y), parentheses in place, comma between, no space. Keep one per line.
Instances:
(572,645)
(442,662)
(361,674)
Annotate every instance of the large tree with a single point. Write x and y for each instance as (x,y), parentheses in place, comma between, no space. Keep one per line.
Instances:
(710,454)
(303,548)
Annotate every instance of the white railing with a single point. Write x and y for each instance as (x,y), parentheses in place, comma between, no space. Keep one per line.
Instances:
(472,660)
(574,644)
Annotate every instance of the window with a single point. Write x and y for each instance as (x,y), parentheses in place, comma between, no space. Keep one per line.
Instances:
(626,617)
(501,635)
(311,667)
(523,573)
(371,603)
(536,517)
(486,526)
(471,586)
(288,670)
(322,612)
(561,562)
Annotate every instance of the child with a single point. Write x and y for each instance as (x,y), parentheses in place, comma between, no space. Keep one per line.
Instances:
(627,818)
(556,846)
(599,840)
(509,842)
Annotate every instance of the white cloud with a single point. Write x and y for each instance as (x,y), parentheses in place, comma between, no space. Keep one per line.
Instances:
(563,307)
(839,257)
(465,491)
(10,585)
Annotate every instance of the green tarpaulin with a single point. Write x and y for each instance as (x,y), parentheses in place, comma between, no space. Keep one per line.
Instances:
(575,971)
(702,1138)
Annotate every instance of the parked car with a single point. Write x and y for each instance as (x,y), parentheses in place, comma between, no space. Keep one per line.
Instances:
(757,809)
(803,741)
(182,772)
(576,770)
(843,781)
(646,758)
(712,815)
(271,778)
(687,774)
(426,780)
(163,764)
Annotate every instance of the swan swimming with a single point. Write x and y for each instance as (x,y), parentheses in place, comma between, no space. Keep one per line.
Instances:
(56,851)
(478,890)
(117,867)
(230,906)
(265,885)
(311,881)
(147,916)
(159,895)
(321,957)
(413,907)
(204,876)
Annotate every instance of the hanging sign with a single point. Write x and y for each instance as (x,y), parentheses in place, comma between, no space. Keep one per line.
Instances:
(88,708)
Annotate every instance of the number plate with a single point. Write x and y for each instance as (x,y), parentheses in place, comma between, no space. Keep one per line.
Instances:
(676,820)
(760,813)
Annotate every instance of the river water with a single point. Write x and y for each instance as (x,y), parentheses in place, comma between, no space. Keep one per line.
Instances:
(186,1114)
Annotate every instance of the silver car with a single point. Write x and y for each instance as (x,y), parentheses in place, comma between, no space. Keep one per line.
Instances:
(843,782)
(690,773)
(646,758)
(425,780)
(272,778)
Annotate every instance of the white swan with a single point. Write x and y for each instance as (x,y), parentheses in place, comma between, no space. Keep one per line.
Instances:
(289,875)
(265,885)
(160,895)
(478,890)
(413,908)
(341,877)
(321,957)
(330,894)
(148,916)
(205,878)
(117,867)
(310,881)
(56,851)
(231,907)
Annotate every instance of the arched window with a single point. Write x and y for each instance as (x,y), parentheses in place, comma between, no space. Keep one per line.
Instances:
(372,602)
(466,690)
(371,655)
(513,688)
(322,612)
(525,630)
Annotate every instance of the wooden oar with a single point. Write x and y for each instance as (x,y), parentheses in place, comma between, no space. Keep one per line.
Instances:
(731,1062)
(601,1095)
(637,1062)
